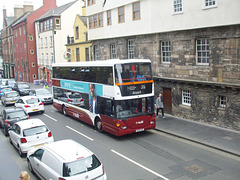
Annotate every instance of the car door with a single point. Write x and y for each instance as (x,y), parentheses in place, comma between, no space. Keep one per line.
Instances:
(19,103)
(36,162)
(14,134)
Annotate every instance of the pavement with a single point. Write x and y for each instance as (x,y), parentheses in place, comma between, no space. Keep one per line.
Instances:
(208,135)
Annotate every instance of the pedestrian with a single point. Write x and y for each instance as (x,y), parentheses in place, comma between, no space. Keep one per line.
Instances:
(24,175)
(159,104)
(45,86)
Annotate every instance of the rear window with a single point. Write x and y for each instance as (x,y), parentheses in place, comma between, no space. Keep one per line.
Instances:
(75,95)
(32,101)
(80,166)
(35,130)
(23,86)
(14,94)
(16,114)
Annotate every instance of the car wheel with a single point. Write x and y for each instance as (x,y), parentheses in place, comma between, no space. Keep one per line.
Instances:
(10,140)
(64,111)
(29,165)
(20,152)
(5,132)
(98,125)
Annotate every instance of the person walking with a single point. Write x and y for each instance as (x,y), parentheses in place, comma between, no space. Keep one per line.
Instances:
(159,105)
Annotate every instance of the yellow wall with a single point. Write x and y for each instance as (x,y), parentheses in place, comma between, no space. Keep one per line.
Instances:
(80,43)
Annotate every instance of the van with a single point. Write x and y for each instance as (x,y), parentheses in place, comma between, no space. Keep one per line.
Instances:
(63,160)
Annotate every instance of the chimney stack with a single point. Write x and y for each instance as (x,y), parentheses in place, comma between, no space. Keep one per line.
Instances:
(18,11)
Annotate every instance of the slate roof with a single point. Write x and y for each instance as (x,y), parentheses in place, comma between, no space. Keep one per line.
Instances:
(83,19)
(56,11)
(22,18)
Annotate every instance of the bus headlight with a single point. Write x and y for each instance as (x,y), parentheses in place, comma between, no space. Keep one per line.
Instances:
(124,127)
(152,122)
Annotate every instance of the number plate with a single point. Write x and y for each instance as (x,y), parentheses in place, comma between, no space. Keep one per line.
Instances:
(139,130)
(39,145)
(35,109)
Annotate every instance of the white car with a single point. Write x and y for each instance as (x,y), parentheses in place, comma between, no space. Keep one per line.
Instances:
(65,159)
(28,134)
(30,104)
(44,95)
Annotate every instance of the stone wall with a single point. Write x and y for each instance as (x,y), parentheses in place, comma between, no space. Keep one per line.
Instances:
(206,82)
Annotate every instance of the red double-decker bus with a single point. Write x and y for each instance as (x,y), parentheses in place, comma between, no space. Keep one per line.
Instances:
(116,96)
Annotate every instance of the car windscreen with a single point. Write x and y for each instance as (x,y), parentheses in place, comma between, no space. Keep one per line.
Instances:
(32,100)
(73,96)
(35,130)
(80,166)
(13,94)
(42,92)
(23,86)
(16,114)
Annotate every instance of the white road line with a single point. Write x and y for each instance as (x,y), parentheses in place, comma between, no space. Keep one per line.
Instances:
(80,133)
(50,117)
(151,171)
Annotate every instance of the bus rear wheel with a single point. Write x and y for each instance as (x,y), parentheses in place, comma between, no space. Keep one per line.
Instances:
(98,124)
(64,111)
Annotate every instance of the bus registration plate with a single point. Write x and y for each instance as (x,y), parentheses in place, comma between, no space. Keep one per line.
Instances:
(139,130)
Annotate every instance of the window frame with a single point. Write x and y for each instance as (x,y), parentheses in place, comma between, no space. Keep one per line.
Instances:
(222,101)
(207,4)
(202,51)
(131,49)
(113,51)
(186,97)
(121,15)
(136,11)
(177,6)
(166,52)
(109,17)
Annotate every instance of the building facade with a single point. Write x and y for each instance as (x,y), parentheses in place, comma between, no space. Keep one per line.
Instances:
(25,55)
(52,29)
(194,49)
(78,46)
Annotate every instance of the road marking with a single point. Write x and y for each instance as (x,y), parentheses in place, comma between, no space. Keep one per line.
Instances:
(134,162)
(50,117)
(80,133)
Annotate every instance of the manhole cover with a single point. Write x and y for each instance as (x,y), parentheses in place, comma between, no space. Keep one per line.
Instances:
(194,168)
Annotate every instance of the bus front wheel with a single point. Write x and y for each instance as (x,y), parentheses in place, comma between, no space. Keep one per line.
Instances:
(98,124)
(64,111)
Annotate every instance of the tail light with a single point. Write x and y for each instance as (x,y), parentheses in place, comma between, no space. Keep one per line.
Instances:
(49,134)
(60,178)
(6,122)
(26,106)
(82,99)
(41,103)
(28,117)
(23,140)
(103,169)
(69,100)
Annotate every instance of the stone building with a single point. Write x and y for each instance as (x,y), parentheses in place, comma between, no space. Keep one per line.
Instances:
(194,49)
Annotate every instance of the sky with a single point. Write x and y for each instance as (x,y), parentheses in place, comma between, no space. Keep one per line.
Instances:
(10,4)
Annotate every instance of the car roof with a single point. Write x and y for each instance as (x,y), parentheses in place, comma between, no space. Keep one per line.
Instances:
(29,97)
(41,89)
(68,150)
(8,92)
(30,123)
(13,109)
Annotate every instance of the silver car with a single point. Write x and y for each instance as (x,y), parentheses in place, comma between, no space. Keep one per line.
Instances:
(9,97)
(43,94)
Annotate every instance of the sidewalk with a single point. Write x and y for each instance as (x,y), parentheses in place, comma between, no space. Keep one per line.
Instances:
(211,136)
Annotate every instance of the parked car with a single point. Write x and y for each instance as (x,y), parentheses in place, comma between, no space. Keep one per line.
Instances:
(72,98)
(10,82)
(43,94)
(4,88)
(65,159)
(30,104)
(22,88)
(28,134)
(11,115)
(9,97)
(3,81)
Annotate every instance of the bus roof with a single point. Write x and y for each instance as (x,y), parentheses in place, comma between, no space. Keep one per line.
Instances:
(110,62)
